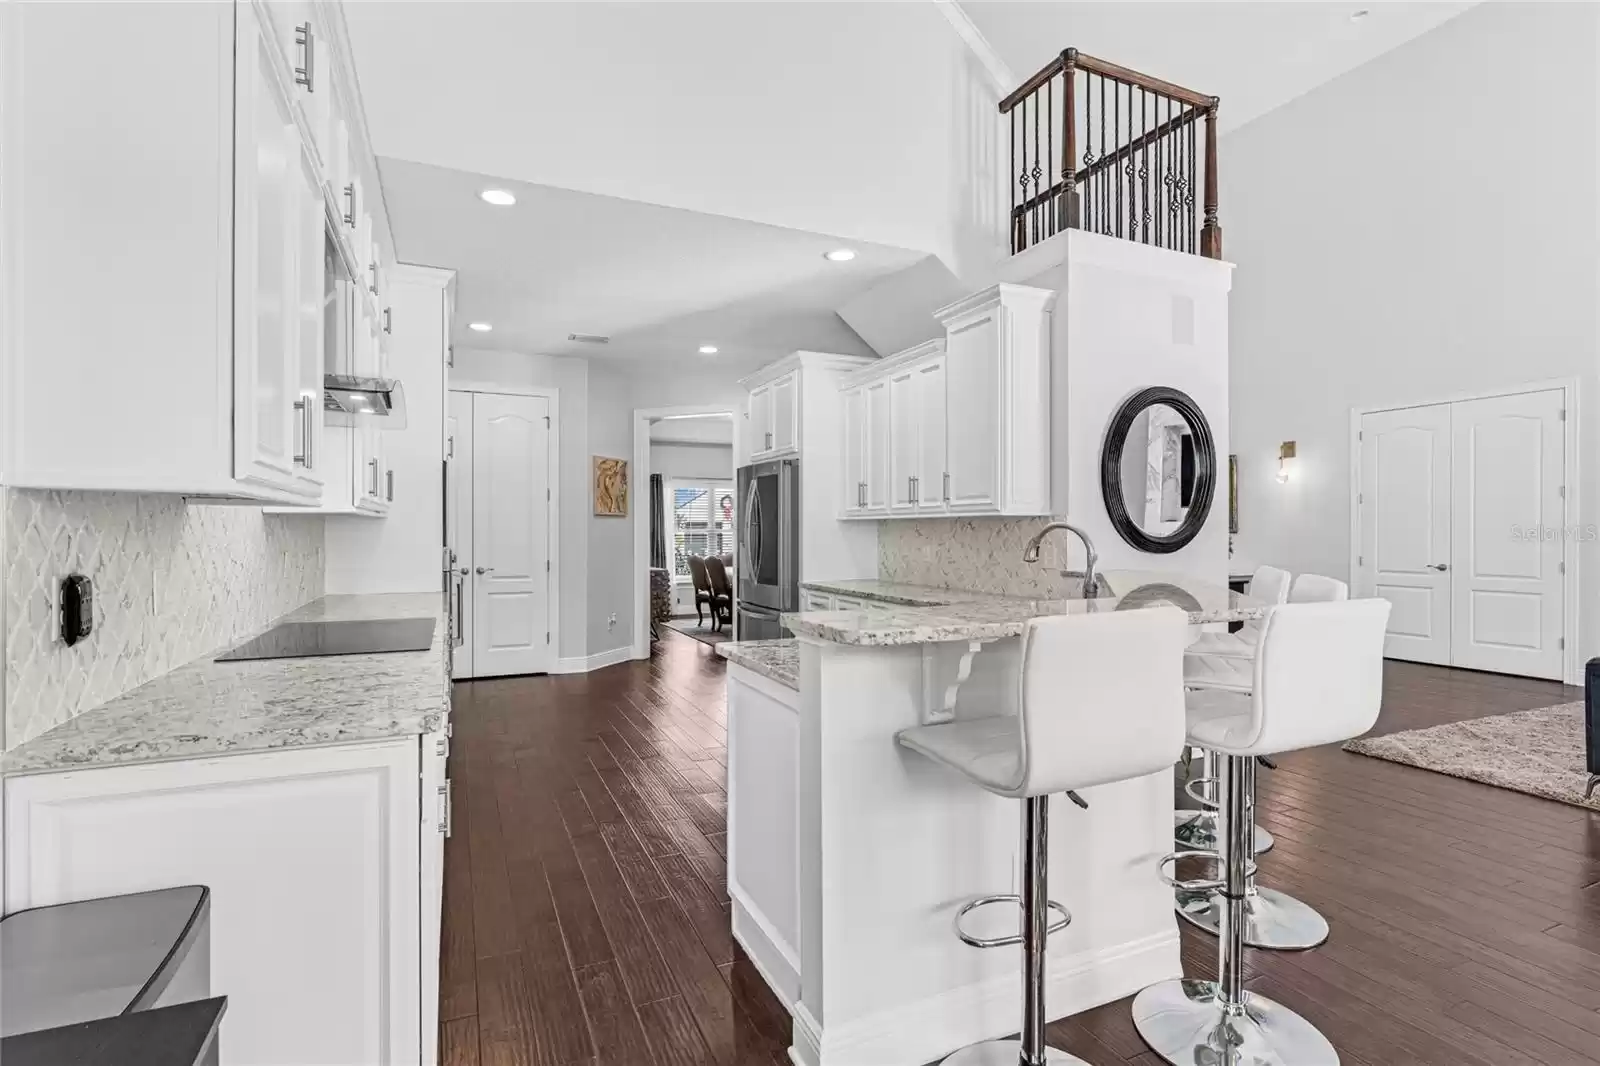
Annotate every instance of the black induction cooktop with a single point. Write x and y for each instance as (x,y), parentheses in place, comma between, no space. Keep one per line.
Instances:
(295,640)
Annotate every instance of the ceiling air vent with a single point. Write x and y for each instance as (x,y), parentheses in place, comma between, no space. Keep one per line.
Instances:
(588,338)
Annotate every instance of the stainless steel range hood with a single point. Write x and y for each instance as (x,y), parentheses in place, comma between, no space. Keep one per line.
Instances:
(348,400)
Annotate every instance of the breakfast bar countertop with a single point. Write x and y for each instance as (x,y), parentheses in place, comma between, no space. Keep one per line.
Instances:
(207,707)
(995,618)
(777,659)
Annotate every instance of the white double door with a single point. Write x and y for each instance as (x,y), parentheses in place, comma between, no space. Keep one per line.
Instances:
(1463,528)
(498,523)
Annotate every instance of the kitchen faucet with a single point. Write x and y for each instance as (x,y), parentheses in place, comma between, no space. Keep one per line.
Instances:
(1030,554)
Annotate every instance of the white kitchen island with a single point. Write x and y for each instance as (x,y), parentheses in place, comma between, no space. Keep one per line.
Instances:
(848,855)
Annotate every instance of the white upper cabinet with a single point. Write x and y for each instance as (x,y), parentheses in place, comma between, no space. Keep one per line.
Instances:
(959,425)
(855,450)
(197,368)
(774,418)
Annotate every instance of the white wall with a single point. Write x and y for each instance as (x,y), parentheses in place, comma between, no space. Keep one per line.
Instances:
(612,579)
(683,460)
(1414,229)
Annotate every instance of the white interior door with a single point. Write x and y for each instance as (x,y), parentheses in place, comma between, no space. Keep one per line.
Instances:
(1508,516)
(458,523)
(510,535)
(1405,527)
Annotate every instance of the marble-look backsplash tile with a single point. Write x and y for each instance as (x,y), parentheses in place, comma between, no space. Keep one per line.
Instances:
(975,554)
(216,572)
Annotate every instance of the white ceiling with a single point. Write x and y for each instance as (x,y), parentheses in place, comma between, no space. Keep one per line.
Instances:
(659,281)
(1255,56)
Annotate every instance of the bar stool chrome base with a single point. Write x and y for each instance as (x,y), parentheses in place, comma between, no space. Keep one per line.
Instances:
(1007,1053)
(1185,1023)
(1273,920)
(1197,831)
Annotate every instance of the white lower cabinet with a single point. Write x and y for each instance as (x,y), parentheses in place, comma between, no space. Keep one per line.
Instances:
(325,868)
(959,425)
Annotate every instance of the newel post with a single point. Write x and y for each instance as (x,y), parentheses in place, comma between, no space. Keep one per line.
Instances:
(1211,232)
(1069,139)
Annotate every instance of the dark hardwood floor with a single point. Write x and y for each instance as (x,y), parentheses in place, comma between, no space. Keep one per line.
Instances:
(586,919)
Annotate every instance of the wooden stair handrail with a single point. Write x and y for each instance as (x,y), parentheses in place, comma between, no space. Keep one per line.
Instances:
(1114,71)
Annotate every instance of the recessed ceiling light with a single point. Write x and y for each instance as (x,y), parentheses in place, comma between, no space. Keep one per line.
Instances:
(479,327)
(708,349)
(498,197)
(839,255)
(1357,16)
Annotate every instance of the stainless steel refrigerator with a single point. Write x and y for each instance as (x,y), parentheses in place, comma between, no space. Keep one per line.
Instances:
(768,562)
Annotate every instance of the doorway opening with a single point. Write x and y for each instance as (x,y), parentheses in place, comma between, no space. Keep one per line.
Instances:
(686,525)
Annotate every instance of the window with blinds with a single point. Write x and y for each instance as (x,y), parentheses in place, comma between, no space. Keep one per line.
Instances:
(702,517)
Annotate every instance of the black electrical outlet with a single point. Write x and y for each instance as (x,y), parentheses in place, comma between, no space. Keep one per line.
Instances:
(77,608)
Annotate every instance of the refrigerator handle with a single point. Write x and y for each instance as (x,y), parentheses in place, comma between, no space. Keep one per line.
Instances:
(745,561)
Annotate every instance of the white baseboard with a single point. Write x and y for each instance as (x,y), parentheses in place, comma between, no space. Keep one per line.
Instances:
(582,664)
(928,1029)
(773,959)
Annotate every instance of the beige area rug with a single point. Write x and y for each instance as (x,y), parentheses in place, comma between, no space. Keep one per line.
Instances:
(1539,752)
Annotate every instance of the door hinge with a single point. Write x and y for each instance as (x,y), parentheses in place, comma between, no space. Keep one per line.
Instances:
(450,447)
(547,495)
(1361,435)
(1361,560)
(1562,492)
(1361,497)
(1561,642)
(1563,414)
(547,566)
(1561,568)
(547,638)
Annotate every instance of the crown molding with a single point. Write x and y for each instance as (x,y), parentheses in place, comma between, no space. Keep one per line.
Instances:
(999,72)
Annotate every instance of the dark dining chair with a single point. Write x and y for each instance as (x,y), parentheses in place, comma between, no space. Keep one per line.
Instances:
(721,592)
(702,588)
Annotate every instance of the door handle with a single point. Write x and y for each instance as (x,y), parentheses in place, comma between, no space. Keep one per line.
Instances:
(484,569)
(1441,567)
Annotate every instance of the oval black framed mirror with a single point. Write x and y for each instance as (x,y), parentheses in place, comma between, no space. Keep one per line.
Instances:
(1158,470)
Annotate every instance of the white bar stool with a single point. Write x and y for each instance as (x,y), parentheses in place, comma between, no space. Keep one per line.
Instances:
(1222,660)
(1274,920)
(1101,700)
(1318,679)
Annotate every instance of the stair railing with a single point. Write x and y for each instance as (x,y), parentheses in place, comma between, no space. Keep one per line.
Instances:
(1099,147)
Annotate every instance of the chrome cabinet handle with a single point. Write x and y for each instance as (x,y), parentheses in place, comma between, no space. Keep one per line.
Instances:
(1441,567)
(861,494)
(947,486)
(372,286)
(373,463)
(387,323)
(769,441)
(302,457)
(916,489)
(389,475)
(448,812)
(460,631)
(350,200)
(306,75)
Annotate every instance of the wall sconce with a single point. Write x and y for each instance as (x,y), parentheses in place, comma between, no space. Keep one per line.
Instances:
(1285,460)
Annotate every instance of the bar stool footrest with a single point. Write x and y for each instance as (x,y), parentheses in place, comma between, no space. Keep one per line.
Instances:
(1205,885)
(1006,941)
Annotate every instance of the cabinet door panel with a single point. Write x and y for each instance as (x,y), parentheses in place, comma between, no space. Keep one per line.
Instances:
(931,431)
(268,234)
(310,286)
(973,408)
(854,482)
(761,422)
(877,446)
(311,858)
(785,411)
(903,439)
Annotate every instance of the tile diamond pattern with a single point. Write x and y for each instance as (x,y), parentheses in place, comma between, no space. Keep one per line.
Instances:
(223,571)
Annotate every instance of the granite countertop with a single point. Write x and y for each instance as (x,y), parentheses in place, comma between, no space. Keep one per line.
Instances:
(994,618)
(211,708)
(777,659)
(903,594)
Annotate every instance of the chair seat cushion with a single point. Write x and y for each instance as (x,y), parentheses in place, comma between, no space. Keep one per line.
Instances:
(1220,720)
(987,750)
